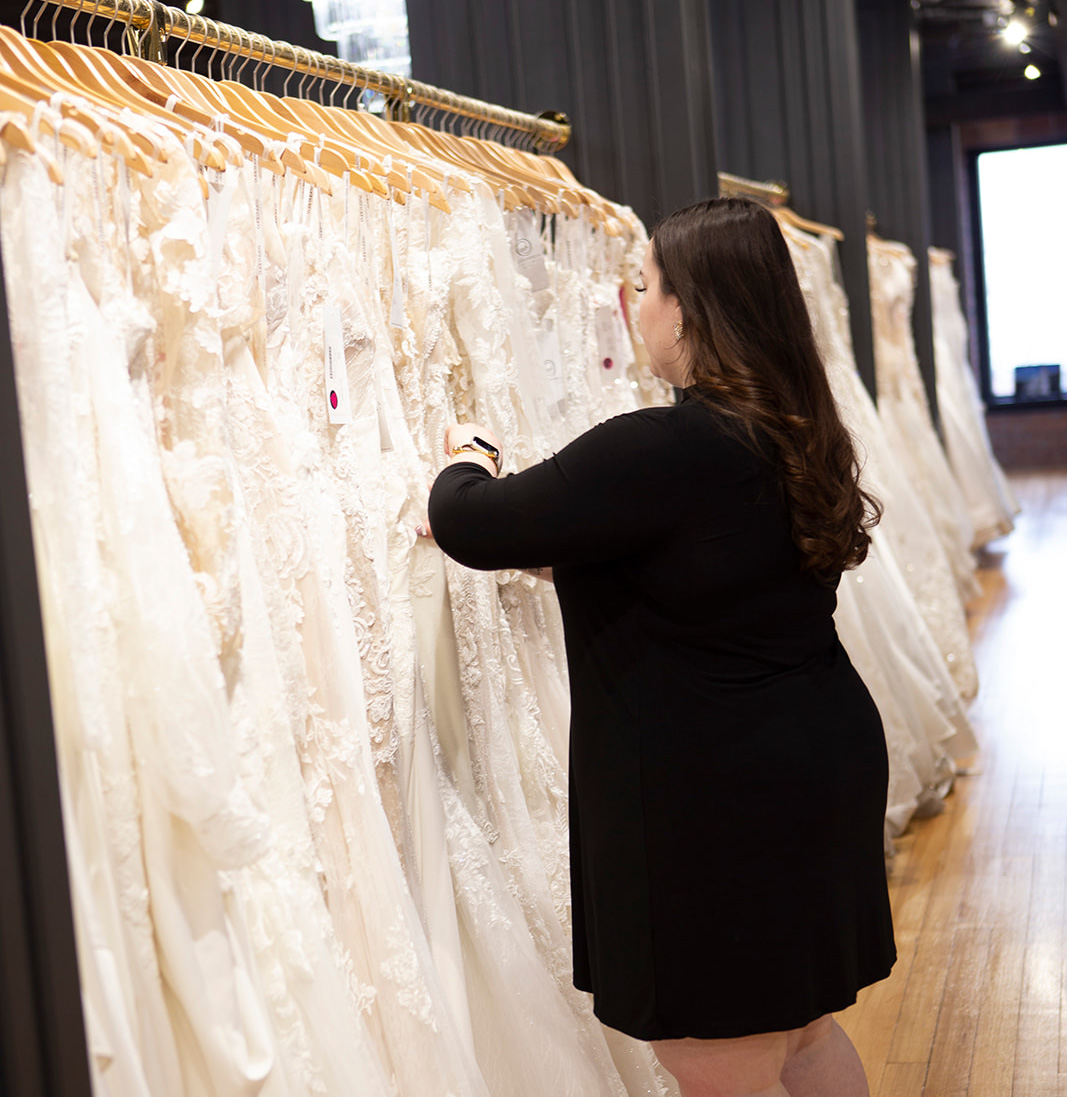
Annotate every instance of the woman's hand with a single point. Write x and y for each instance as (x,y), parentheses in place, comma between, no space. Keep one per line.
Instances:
(459,434)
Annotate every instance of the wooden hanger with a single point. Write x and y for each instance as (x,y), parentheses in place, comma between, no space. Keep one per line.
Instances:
(789,217)
(25,73)
(14,132)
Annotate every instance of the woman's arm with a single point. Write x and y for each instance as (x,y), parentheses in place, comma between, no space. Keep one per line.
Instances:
(612,491)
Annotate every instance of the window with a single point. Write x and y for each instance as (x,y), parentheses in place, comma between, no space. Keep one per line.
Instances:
(1022,214)
(373,33)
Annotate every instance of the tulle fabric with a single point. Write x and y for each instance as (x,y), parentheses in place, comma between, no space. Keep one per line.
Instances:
(990,501)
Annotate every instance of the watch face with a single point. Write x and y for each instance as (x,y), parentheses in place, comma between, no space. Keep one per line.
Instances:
(490,449)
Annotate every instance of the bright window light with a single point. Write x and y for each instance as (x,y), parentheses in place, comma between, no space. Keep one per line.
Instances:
(1031,72)
(1015,32)
(1024,253)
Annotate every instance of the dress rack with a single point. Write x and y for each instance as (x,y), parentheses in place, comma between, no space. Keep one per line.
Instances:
(43,1050)
(151,24)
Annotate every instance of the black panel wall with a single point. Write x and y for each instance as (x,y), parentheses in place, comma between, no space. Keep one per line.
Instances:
(634,77)
(788,107)
(896,150)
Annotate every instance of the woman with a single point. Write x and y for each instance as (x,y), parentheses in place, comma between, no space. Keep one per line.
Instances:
(728,769)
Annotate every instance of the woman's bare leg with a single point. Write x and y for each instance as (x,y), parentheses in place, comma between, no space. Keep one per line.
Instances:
(750,1066)
(824,1064)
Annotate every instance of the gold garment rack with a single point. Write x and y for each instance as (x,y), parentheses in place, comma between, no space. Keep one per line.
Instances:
(150,24)
(776,197)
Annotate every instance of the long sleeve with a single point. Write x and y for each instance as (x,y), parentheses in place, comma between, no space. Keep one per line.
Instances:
(614,490)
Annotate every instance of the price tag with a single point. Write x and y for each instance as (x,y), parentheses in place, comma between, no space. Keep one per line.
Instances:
(555,384)
(396,307)
(219,196)
(527,249)
(609,347)
(338,404)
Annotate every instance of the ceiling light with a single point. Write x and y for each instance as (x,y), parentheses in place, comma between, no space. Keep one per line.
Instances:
(1031,72)
(1015,32)
(194,7)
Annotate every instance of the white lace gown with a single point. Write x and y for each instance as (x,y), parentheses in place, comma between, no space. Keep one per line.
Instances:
(990,501)
(880,620)
(314,779)
(53,319)
(905,413)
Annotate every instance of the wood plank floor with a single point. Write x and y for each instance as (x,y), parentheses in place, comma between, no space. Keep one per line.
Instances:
(975,1006)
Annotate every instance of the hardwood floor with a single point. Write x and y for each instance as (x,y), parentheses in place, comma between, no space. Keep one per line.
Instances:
(975,1004)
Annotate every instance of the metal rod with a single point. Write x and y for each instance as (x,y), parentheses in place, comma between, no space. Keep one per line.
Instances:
(545,133)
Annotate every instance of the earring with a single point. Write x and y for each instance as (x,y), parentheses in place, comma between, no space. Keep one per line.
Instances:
(678,330)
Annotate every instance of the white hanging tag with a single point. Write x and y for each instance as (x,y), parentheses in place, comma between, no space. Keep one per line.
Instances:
(555,384)
(527,249)
(219,196)
(257,210)
(609,349)
(385,439)
(338,403)
(396,308)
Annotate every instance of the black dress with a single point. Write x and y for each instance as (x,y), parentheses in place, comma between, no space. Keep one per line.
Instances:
(728,769)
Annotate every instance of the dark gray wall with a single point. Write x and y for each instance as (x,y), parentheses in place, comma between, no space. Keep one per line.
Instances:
(788,107)
(633,76)
(895,132)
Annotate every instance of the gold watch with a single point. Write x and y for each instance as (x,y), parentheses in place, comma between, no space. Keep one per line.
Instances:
(480,445)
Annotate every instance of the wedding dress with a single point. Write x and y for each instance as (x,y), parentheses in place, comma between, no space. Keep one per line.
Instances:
(879,617)
(990,501)
(904,410)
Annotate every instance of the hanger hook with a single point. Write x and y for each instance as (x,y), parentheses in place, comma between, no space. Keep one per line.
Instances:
(318,73)
(186,28)
(92,19)
(239,62)
(270,63)
(304,76)
(254,43)
(289,74)
(324,61)
(235,53)
(244,37)
(216,53)
(336,79)
(37,17)
(212,30)
(399,83)
(351,88)
(194,25)
(223,38)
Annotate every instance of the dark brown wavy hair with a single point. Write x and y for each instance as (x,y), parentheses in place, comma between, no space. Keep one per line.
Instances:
(754,360)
